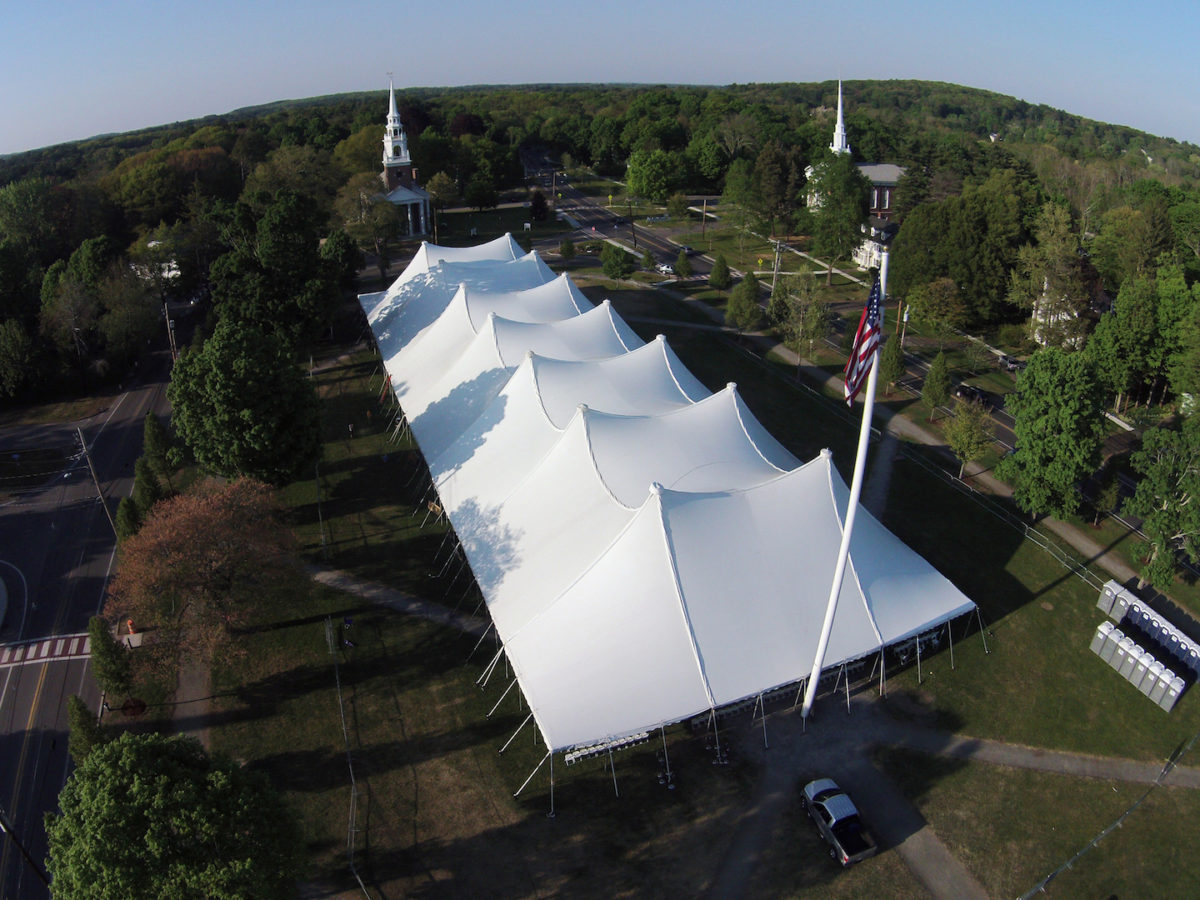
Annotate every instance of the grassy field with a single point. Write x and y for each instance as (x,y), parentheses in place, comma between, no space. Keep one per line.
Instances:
(434,810)
(1013,827)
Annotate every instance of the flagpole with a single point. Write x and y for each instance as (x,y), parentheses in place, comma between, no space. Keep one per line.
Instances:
(864,435)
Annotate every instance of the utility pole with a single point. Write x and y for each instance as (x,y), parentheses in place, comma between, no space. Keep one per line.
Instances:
(7,827)
(170,332)
(96,481)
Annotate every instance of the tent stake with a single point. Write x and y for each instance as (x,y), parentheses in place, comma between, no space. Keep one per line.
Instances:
(501,700)
(515,733)
(534,772)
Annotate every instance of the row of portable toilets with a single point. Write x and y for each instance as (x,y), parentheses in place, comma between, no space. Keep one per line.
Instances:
(1147,650)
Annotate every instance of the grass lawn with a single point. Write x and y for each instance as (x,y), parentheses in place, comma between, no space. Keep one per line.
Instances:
(1013,827)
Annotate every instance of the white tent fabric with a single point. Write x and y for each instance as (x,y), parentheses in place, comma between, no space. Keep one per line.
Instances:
(646,549)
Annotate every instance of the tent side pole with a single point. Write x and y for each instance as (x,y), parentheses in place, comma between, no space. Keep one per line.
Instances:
(882,669)
(982,632)
(550,815)
(536,769)
(613,768)
(950,638)
(763,708)
(482,637)
(501,700)
(515,733)
(482,680)
(918,640)
(666,757)
(847,671)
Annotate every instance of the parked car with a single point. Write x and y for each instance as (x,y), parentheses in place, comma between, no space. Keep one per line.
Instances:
(1011,363)
(837,818)
(666,269)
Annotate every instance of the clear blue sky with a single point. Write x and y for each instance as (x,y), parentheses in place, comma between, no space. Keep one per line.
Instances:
(71,70)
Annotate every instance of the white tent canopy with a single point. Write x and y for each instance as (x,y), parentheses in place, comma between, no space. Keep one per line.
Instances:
(646,549)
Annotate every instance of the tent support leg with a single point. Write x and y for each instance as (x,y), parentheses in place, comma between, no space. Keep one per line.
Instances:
(550,815)
(950,638)
(666,757)
(847,671)
(882,672)
(479,605)
(481,640)
(487,672)
(613,766)
(763,709)
(982,630)
(799,693)
(918,640)
(501,700)
(515,733)
(534,772)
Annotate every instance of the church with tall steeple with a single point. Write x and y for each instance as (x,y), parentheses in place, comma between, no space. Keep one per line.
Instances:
(399,176)
(840,143)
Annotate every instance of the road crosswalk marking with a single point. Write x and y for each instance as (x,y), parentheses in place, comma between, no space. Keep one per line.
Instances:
(64,647)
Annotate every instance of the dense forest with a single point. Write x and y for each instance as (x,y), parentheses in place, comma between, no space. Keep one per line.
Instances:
(1005,205)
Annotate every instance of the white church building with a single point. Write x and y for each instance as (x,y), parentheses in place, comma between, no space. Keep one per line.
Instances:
(399,176)
(883,178)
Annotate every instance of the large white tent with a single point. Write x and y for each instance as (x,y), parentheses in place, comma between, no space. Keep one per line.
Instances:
(646,549)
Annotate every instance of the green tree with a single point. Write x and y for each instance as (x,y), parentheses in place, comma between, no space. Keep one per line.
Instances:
(149,816)
(566,249)
(806,319)
(891,363)
(146,488)
(683,265)
(935,391)
(127,519)
(677,206)
(1168,466)
(481,193)
(969,434)
(739,200)
(647,260)
(616,262)
(1048,280)
(84,733)
(939,306)
(842,197)
(1059,429)
(130,315)
(743,311)
(651,174)
(110,658)
(16,357)
(719,278)
(243,407)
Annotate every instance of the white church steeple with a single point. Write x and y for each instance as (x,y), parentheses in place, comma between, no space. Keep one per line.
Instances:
(840,143)
(395,143)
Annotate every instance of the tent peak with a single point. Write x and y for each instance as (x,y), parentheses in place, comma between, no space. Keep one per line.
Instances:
(826,453)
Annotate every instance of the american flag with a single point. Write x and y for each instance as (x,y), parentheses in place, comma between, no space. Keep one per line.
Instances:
(866,340)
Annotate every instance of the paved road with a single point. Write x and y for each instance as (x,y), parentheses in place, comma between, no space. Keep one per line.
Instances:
(56,554)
